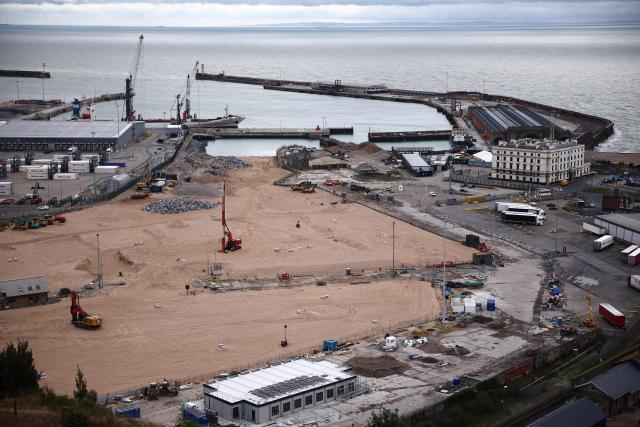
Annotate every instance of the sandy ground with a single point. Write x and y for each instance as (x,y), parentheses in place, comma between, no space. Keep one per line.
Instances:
(176,248)
(139,343)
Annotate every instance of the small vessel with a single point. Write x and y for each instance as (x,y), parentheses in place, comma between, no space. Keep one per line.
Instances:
(460,140)
(226,121)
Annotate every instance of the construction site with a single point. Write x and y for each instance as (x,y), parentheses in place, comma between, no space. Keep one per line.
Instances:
(317,285)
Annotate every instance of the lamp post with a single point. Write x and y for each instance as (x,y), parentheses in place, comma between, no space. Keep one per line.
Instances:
(18,89)
(164,118)
(93,145)
(100,283)
(43,65)
(393,246)
(444,270)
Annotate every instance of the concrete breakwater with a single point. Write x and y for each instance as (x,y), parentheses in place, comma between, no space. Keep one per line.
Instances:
(61,109)
(27,74)
(591,130)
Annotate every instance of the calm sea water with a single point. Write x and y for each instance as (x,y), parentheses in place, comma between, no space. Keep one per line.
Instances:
(594,70)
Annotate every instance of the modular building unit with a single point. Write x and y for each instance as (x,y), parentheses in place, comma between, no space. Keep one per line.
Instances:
(279,390)
(109,170)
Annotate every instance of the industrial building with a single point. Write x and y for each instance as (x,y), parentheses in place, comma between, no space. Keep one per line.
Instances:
(582,412)
(507,122)
(24,292)
(52,135)
(538,161)
(279,390)
(617,389)
(616,201)
(621,226)
(416,164)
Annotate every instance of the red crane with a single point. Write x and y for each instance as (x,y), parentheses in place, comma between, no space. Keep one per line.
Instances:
(81,318)
(228,242)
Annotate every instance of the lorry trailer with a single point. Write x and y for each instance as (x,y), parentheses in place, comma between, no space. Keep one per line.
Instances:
(634,257)
(522,218)
(613,315)
(602,242)
(633,281)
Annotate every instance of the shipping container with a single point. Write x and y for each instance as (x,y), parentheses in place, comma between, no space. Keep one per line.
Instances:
(195,415)
(491,304)
(602,242)
(469,305)
(128,412)
(119,164)
(634,257)
(65,176)
(613,316)
(625,252)
(110,170)
(41,161)
(633,282)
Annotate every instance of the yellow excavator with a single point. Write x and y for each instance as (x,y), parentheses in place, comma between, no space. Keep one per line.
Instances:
(142,187)
(589,320)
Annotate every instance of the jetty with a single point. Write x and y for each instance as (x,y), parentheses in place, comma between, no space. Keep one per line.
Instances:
(26,74)
(268,133)
(421,135)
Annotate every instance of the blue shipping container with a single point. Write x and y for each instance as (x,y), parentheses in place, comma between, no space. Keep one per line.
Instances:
(491,305)
(330,345)
(129,412)
(120,164)
(195,415)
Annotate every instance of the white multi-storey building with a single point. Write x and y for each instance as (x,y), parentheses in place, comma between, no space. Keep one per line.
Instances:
(538,161)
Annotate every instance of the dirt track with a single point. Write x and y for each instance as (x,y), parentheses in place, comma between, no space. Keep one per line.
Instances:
(139,343)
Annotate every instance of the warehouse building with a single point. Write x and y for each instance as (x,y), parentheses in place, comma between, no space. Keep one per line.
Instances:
(24,292)
(506,122)
(87,135)
(416,164)
(621,226)
(538,161)
(582,412)
(617,389)
(279,390)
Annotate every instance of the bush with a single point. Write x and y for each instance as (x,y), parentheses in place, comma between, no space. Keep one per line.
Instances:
(73,418)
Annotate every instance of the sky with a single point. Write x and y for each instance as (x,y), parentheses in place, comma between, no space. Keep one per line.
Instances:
(233,13)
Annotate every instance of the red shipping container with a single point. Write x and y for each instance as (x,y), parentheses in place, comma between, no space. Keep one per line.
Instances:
(609,312)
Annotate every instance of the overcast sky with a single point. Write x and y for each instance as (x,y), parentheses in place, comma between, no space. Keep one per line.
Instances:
(224,13)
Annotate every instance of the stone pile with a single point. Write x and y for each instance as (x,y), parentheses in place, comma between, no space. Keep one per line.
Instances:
(179,205)
(199,164)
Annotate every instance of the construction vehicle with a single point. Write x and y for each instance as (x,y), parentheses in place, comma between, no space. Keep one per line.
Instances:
(165,388)
(81,318)
(152,392)
(130,82)
(309,189)
(142,186)
(34,196)
(300,185)
(229,244)
(589,320)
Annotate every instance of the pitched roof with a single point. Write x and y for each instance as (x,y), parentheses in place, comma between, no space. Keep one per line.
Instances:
(24,286)
(579,413)
(619,380)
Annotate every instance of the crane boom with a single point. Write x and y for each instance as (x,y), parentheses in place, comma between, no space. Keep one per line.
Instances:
(130,81)
(187,94)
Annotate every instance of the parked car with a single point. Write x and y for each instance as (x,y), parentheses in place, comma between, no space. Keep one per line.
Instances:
(44,208)
(432,194)
(551,205)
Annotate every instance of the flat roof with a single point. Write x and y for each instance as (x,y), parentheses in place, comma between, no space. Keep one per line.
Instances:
(579,413)
(24,286)
(278,381)
(63,129)
(538,144)
(415,160)
(628,221)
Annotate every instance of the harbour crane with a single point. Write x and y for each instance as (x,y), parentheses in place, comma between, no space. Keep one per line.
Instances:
(130,82)
(187,94)
(229,244)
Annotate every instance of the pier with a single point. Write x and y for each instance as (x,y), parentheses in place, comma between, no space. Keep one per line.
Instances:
(61,109)
(421,135)
(265,133)
(591,130)
(26,74)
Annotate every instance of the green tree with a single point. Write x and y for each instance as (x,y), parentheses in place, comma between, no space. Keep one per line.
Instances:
(81,390)
(385,418)
(18,374)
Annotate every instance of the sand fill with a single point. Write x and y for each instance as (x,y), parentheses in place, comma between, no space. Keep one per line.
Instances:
(376,367)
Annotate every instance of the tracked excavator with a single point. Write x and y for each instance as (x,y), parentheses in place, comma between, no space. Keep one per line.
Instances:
(81,318)
(229,244)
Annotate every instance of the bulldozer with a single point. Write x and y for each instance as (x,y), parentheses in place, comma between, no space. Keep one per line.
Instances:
(589,320)
(81,318)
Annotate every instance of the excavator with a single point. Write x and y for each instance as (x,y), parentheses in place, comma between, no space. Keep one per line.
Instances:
(142,187)
(589,320)
(81,318)
(229,244)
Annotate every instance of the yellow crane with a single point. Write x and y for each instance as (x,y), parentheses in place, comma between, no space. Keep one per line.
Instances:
(589,320)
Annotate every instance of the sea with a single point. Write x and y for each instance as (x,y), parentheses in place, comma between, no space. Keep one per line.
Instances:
(594,70)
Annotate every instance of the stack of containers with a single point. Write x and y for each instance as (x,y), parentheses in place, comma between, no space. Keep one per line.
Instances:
(26,168)
(79,166)
(110,170)
(41,161)
(6,188)
(59,157)
(41,172)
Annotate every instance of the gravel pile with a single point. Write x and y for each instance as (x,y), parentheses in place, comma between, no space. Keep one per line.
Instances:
(178,205)
(200,164)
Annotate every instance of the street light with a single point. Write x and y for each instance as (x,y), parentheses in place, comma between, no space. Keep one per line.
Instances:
(100,281)
(393,246)
(444,270)
(18,88)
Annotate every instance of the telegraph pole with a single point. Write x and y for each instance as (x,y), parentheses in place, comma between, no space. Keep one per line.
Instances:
(100,281)
(393,246)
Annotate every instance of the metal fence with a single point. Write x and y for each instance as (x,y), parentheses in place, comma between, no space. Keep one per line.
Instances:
(486,180)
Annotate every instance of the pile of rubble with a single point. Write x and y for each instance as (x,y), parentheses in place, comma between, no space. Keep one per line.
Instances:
(179,205)
(200,164)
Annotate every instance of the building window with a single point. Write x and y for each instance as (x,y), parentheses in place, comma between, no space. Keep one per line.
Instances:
(340,389)
(319,396)
(275,410)
(286,407)
(329,393)
(351,387)
(308,400)
(297,404)
(236,412)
